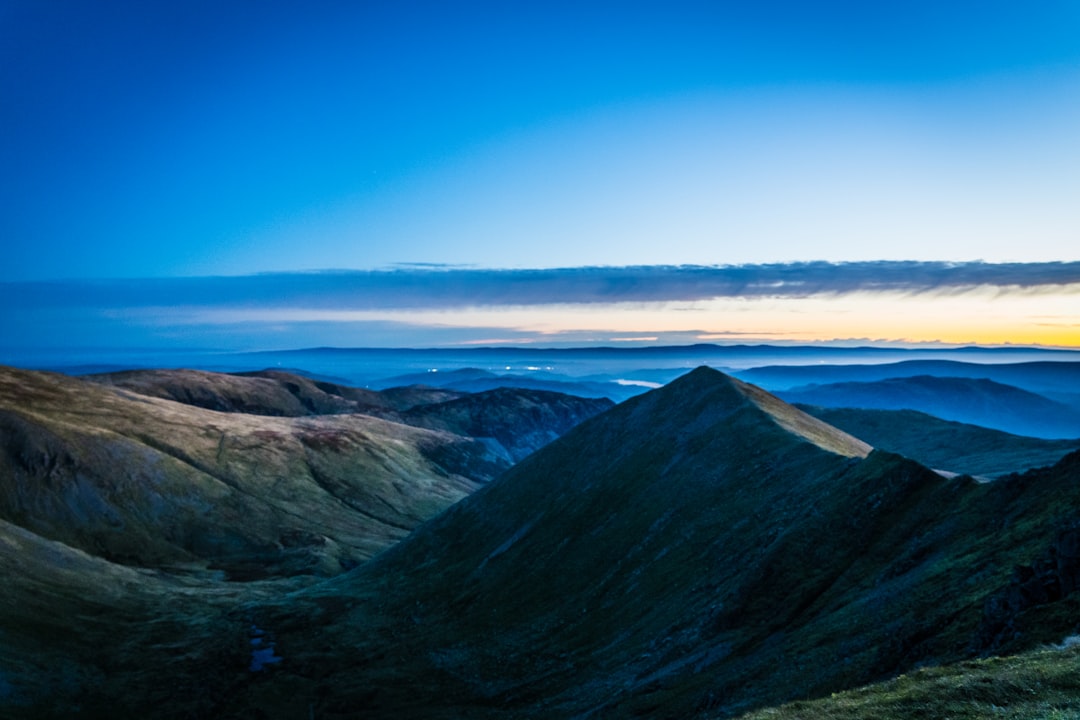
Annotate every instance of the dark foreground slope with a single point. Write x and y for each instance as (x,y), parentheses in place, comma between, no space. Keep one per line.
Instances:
(698,551)
(945,444)
(975,401)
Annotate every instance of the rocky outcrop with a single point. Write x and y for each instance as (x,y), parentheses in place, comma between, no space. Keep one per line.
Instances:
(1050,578)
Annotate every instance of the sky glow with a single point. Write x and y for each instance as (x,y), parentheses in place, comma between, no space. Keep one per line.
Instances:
(151,142)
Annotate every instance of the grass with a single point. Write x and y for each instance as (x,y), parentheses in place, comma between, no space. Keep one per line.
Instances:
(1043,684)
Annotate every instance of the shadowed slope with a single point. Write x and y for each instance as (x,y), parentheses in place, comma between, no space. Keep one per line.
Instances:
(515,422)
(79,635)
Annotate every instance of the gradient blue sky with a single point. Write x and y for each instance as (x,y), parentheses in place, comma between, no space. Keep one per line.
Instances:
(167,139)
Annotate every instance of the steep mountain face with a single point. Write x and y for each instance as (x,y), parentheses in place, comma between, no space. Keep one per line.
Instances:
(974,401)
(944,444)
(266,392)
(696,552)
(155,483)
(514,422)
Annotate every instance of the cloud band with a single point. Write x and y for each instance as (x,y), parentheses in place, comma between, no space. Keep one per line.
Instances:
(414,287)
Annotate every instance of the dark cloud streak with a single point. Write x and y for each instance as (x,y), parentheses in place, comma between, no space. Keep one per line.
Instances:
(432,287)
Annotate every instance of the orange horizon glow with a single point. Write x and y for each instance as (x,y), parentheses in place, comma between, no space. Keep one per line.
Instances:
(969,318)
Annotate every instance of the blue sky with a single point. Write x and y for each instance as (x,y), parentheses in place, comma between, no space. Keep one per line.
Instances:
(198,139)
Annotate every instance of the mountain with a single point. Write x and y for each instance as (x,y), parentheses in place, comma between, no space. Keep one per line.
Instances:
(155,483)
(974,401)
(475,380)
(407,397)
(514,422)
(944,444)
(264,392)
(699,551)
(1042,376)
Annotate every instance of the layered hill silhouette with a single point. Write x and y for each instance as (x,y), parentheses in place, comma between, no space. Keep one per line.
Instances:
(974,401)
(474,380)
(945,444)
(1043,376)
(699,551)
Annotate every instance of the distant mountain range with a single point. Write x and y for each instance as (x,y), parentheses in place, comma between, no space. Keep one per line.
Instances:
(701,550)
(975,401)
(944,444)
(471,380)
(1051,376)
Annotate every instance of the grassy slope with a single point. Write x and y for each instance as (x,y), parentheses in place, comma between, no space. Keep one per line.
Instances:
(154,482)
(1039,685)
(944,444)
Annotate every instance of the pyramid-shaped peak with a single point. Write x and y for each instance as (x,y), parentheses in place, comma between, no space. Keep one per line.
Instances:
(730,393)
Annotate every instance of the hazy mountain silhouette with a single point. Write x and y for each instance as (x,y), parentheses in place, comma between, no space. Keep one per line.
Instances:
(974,401)
(474,380)
(945,444)
(1043,376)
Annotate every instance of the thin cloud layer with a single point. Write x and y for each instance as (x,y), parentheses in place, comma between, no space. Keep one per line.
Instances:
(415,287)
